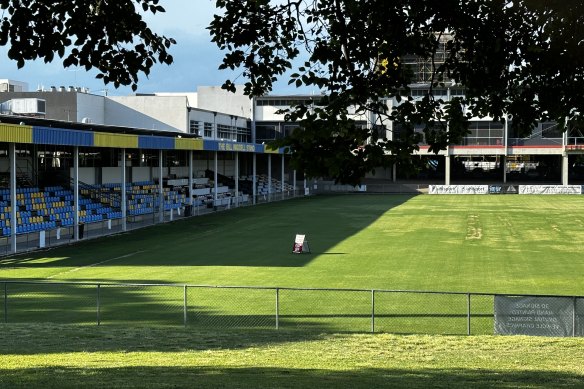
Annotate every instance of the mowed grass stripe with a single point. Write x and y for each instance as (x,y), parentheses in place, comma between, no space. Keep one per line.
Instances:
(508,244)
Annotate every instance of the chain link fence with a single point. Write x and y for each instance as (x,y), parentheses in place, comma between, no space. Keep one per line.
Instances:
(292,309)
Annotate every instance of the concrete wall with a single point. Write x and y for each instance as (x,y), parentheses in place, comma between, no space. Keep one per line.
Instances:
(226,168)
(91,107)
(268,113)
(156,169)
(191,96)
(111,175)
(60,105)
(213,98)
(86,175)
(167,113)
(141,174)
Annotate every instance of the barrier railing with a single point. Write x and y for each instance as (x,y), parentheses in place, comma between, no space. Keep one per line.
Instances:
(65,234)
(293,309)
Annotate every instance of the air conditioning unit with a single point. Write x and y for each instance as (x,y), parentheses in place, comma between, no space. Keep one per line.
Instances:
(28,107)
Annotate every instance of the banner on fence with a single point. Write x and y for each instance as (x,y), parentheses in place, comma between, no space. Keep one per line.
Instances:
(539,316)
(503,189)
(550,189)
(458,189)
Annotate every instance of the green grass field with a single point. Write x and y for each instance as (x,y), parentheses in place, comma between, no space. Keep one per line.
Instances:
(41,356)
(489,244)
(507,244)
(493,244)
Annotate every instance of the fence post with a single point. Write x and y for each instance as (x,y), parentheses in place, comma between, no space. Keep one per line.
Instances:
(277,308)
(5,302)
(185,305)
(468,313)
(372,310)
(98,305)
(574,316)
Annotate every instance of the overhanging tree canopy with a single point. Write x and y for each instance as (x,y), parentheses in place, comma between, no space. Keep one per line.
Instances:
(524,59)
(109,36)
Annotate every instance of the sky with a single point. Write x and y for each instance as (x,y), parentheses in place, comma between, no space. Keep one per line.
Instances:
(196,58)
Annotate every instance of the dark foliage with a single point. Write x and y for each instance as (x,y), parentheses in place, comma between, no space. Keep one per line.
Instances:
(109,36)
(518,59)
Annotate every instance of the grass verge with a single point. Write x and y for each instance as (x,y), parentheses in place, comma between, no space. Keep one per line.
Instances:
(52,356)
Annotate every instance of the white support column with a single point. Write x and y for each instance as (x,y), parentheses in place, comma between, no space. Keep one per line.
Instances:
(215,176)
(76,192)
(269,177)
(253,119)
(190,191)
(160,187)
(13,222)
(447,168)
(282,189)
(254,190)
(565,159)
(236,178)
(123,195)
(506,144)
(294,181)
(215,135)
(447,160)
(565,167)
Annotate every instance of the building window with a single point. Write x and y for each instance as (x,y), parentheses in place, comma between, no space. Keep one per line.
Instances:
(208,127)
(265,133)
(243,134)
(224,132)
(484,133)
(195,127)
(287,103)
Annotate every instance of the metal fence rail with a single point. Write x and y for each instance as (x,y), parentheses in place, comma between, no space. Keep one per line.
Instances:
(65,235)
(269,308)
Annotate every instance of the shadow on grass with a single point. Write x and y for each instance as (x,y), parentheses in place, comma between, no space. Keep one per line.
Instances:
(251,236)
(38,339)
(271,377)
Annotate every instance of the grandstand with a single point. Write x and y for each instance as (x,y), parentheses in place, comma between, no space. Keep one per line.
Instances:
(52,207)
(61,179)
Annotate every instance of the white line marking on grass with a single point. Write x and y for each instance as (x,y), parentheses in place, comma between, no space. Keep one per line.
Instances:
(96,264)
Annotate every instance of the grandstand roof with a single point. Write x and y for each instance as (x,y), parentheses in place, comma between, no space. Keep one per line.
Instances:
(34,121)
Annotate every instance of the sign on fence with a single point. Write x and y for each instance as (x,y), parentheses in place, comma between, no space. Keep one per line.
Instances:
(503,189)
(550,189)
(458,189)
(540,316)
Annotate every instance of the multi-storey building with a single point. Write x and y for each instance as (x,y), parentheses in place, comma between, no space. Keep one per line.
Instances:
(490,152)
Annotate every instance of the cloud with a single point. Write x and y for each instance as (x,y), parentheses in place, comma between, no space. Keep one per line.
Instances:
(196,62)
